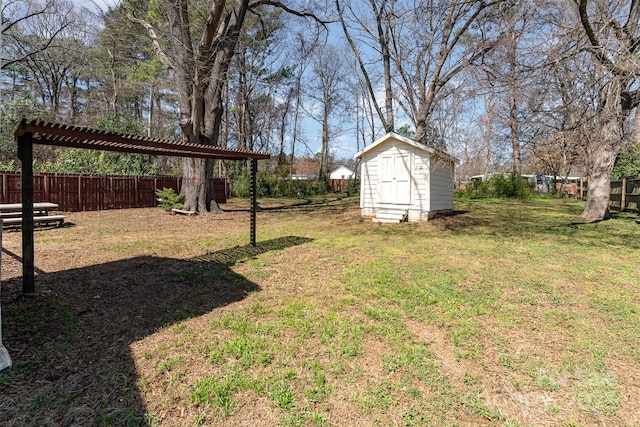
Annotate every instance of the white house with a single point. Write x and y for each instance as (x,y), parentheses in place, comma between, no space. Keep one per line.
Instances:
(402,179)
(342,172)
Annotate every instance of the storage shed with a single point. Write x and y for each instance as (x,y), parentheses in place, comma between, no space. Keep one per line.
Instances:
(404,180)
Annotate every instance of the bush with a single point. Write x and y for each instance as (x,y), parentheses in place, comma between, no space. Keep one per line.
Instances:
(353,188)
(502,186)
(270,185)
(168,199)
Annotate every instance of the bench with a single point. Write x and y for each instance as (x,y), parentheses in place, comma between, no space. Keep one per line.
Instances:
(11,213)
(36,220)
(182,212)
(17,214)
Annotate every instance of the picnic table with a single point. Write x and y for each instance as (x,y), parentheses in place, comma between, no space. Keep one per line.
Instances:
(11,213)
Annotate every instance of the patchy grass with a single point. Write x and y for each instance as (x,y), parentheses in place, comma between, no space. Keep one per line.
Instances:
(506,313)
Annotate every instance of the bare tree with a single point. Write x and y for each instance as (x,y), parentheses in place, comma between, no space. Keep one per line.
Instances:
(371,22)
(611,31)
(199,70)
(561,111)
(515,23)
(305,46)
(327,87)
(433,41)
(53,73)
(509,70)
(21,20)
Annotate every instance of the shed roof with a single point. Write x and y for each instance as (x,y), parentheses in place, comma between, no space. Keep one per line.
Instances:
(82,137)
(408,141)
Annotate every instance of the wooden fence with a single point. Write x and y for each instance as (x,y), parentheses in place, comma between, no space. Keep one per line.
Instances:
(341,185)
(78,192)
(625,194)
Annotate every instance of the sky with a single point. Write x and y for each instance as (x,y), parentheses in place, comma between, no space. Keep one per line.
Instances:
(101,4)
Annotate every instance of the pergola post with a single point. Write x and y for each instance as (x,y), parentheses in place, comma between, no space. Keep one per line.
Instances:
(254,200)
(79,137)
(5,360)
(25,153)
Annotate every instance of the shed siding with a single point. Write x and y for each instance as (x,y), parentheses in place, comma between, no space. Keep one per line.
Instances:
(441,185)
(421,189)
(369,182)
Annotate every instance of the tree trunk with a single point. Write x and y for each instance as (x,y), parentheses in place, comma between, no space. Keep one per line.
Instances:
(194,186)
(513,123)
(604,156)
(324,153)
(198,186)
(620,62)
(597,207)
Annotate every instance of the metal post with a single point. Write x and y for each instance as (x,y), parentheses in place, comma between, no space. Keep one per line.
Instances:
(5,360)
(25,152)
(254,200)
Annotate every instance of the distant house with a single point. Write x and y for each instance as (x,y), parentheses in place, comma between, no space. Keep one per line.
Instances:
(402,179)
(342,172)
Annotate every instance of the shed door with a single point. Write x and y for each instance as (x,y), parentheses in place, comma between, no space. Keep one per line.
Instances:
(395,178)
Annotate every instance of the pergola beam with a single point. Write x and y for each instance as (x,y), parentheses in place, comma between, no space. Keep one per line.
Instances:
(82,137)
(29,133)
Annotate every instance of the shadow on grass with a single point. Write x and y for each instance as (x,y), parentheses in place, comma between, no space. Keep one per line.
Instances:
(324,204)
(512,219)
(18,258)
(70,344)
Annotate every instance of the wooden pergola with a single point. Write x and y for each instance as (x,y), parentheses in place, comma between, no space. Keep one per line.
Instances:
(38,132)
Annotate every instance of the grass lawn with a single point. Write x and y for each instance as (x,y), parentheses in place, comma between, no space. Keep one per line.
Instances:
(507,313)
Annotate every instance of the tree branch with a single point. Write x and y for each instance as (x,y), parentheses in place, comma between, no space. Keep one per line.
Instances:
(631,26)
(596,47)
(287,9)
(363,69)
(6,64)
(25,17)
(164,59)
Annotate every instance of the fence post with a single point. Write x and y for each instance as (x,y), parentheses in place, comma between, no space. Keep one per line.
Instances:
(80,193)
(112,194)
(155,189)
(5,188)
(46,178)
(623,194)
(135,189)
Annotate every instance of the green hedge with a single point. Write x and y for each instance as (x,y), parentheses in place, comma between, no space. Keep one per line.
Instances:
(498,186)
(275,186)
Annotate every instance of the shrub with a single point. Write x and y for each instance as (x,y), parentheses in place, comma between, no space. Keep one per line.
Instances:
(270,185)
(168,199)
(501,186)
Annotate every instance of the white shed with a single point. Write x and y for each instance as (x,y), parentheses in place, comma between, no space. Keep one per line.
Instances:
(402,179)
(341,172)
